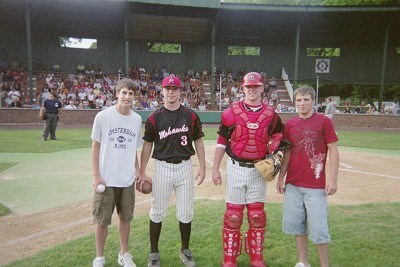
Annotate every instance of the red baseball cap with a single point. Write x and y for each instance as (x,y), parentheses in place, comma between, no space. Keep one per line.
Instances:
(171,81)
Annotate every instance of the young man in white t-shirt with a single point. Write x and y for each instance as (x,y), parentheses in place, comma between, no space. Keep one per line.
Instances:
(116,134)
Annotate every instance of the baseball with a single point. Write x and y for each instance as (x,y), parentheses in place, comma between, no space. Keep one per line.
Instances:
(101,188)
(144,187)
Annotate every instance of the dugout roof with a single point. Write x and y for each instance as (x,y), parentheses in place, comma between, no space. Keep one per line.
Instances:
(192,21)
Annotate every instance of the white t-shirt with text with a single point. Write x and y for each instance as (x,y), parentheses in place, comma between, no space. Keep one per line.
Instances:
(120,137)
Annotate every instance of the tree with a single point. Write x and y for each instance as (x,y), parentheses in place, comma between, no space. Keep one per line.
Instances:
(69,41)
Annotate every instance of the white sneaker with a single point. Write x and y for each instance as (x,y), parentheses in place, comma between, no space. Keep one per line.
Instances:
(126,260)
(300,264)
(99,262)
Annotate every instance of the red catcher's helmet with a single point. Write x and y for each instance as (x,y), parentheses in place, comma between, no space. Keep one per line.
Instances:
(252,78)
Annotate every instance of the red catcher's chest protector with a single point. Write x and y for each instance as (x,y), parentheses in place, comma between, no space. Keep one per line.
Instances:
(250,138)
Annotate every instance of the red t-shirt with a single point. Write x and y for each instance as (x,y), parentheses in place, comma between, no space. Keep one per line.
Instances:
(309,138)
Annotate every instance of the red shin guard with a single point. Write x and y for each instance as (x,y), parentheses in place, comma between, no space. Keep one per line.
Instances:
(255,235)
(232,238)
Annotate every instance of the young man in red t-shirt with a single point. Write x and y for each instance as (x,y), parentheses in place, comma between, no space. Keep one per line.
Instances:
(305,211)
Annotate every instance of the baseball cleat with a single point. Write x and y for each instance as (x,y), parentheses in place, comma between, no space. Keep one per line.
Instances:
(187,258)
(154,260)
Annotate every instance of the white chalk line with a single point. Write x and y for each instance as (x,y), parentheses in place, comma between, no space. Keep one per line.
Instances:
(371,173)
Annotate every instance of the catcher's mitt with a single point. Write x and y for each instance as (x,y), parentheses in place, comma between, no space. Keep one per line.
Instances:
(270,166)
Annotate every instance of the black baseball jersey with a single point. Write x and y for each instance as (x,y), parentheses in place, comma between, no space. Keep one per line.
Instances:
(173,132)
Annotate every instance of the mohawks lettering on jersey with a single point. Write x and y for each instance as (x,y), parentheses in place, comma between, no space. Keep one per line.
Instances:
(164,134)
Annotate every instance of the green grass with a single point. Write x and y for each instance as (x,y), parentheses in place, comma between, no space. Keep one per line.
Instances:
(362,235)
(374,140)
(4,210)
(5,166)
(29,141)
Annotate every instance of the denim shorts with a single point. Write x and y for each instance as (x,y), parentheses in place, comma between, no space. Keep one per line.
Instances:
(305,211)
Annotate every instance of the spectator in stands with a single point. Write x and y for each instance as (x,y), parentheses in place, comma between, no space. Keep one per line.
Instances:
(396,109)
(96,91)
(80,68)
(347,107)
(71,104)
(45,94)
(229,77)
(330,108)
(15,103)
(156,74)
(204,75)
(272,82)
(99,102)
(3,96)
(99,69)
(14,64)
(148,77)
(265,100)
(13,93)
(91,97)
(56,67)
(279,108)
(72,95)
(372,111)
(274,97)
(142,73)
(234,91)
(82,95)
(154,104)
(97,84)
(164,72)
(85,104)
(137,103)
(185,101)
(241,74)
(189,73)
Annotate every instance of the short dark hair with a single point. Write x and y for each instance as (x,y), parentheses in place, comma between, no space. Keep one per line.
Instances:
(125,83)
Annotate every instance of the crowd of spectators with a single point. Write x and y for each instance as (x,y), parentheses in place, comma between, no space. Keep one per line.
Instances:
(90,88)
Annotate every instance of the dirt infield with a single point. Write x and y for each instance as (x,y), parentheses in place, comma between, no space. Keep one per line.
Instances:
(363,178)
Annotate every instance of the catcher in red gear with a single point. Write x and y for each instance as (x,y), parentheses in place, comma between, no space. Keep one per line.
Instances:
(249,131)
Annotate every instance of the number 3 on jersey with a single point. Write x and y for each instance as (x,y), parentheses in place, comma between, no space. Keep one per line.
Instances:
(184,140)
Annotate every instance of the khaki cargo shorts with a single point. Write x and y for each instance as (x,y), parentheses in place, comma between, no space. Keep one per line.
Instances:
(123,198)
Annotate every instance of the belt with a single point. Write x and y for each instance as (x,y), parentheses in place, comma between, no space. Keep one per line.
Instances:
(174,161)
(243,164)
(51,113)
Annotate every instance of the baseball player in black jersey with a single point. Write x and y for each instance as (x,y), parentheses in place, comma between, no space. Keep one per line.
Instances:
(172,128)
